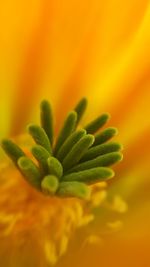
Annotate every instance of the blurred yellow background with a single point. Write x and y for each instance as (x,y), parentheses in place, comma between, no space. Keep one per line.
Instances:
(63,50)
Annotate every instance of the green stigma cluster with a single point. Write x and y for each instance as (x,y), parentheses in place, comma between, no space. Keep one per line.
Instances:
(77,158)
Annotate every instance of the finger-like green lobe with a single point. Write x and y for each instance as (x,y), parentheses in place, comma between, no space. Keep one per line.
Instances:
(80,108)
(74,189)
(96,151)
(104,160)
(67,129)
(30,171)
(55,167)
(77,151)
(105,135)
(46,117)
(90,176)
(69,143)
(41,155)
(49,184)
(96,124)
(40,136)
(12,150)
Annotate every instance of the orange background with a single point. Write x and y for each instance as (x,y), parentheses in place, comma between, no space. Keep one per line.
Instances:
(63,50)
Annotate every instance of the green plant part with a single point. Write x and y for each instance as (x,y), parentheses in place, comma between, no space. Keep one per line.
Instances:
(47,119)
(74,189)
(78,158)
(80,108)
(103,160)
(41,155)
(105,135)
(96,124)
(12,150)
(90,176)
(55,167)
(101,150)
(69,143)
(30,171)
(67,129)
(49,184)
(77,151)
(40,136)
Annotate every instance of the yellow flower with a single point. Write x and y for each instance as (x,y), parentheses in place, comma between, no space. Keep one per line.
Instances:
(36,230)
(31,221)
(37,214)
(62,50)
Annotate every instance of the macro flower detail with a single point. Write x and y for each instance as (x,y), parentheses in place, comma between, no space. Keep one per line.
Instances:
(66,166)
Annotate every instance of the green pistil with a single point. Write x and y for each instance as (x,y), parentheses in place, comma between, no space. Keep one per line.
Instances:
(12,150)
(91,176)
(80,108)
(55,167)
(41,155)
(49,184)
(77,159)
(101,150)
(67,129)
(40,136)
(47,119)
(96,124)
(105,135)
(103,160)
(30,171)
(69,143)
(77,151)
(74,189)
